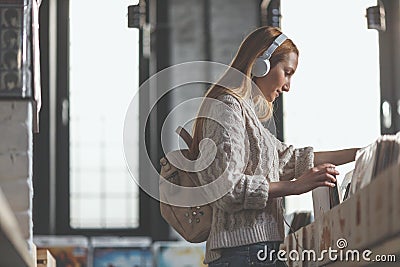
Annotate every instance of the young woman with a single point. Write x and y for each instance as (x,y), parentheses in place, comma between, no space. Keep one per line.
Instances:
(257,168)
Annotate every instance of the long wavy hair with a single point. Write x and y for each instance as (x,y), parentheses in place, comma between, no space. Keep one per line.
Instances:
(253,46)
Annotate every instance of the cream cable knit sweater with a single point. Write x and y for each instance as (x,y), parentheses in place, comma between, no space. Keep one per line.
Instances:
(248,158)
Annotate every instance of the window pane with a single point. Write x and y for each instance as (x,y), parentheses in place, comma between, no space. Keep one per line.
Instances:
(104,68)
(334,97)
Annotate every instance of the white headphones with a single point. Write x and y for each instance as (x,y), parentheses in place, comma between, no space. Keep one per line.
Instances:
(262,65)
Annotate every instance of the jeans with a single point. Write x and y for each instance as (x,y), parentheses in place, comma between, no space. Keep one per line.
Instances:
(250,255)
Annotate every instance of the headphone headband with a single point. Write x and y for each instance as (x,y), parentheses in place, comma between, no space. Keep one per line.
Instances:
(271,49)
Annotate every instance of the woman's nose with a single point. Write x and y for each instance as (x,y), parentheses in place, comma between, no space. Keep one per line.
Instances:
(286,87)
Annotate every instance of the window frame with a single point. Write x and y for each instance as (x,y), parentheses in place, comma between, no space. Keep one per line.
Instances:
(51,208)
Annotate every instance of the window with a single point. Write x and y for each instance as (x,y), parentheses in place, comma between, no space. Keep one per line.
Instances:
(335,93)
(103,71)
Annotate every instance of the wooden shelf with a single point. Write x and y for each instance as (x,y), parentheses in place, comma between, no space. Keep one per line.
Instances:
(368,220)
(13,248)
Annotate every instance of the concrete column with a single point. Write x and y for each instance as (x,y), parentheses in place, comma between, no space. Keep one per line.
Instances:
(16,161)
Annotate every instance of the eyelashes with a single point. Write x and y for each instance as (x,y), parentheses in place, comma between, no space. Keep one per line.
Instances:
(289,72)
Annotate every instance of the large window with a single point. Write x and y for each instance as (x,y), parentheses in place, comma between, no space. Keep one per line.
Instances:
(103,73)
(334,98)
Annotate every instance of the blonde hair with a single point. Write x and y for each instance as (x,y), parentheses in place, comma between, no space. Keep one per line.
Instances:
(253,46)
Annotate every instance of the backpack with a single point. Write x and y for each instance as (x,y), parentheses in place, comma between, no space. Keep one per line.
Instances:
(192,223)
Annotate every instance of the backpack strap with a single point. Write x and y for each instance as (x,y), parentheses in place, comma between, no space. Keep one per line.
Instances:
(184,135)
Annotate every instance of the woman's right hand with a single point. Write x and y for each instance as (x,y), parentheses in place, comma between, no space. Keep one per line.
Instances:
(321,175)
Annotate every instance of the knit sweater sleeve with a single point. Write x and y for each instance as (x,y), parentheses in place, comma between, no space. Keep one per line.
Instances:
(293,162)
(234,190)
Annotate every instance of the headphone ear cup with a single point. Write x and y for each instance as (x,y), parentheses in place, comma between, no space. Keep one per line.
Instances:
(260,67)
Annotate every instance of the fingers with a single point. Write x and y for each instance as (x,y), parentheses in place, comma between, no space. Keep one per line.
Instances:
(332,178)
(325,168)
(326,177)
(321,175)
(326,165)
(327,183)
